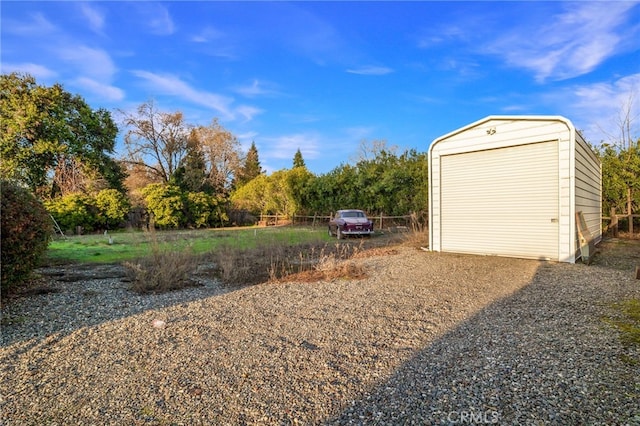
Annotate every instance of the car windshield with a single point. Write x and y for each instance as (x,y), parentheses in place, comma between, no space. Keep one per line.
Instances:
(352,214)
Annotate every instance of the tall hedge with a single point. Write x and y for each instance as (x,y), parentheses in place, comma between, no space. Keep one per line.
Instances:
(25,234)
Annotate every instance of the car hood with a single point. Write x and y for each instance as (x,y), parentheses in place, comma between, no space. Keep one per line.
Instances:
(356,220)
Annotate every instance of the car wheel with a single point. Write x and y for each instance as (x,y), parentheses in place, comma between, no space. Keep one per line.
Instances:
(339,233)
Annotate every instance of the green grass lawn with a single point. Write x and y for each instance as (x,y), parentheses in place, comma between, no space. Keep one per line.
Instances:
(135,244)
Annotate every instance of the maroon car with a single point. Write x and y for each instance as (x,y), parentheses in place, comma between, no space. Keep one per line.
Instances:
(350,222)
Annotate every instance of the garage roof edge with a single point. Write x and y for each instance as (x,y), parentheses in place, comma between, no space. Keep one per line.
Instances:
(559,118)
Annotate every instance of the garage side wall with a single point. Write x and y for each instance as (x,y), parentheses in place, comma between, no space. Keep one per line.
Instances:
(500,132)
(588,192)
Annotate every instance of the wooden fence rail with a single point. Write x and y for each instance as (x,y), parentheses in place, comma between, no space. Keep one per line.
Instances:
(380,221)
(613,226)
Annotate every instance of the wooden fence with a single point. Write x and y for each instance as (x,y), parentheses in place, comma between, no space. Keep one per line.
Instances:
(614,227)
(403,222)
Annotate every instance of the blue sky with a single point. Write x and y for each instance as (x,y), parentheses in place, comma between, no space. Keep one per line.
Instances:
(324,76)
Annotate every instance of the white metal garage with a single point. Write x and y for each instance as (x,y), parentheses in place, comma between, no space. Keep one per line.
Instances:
(511,186)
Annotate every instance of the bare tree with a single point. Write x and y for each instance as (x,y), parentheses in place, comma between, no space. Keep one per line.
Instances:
(369,150)
(222,154)
(156,140)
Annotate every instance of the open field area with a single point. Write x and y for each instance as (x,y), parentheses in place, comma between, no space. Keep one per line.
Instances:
(121,246)
(422,338)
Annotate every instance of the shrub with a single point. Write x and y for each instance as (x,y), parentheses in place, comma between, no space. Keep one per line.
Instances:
(166,205)
(113,207)
(25,234)
(74,210)
(199,209)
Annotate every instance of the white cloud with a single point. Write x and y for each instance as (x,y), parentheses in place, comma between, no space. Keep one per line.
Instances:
(370,70)
(573,43)
(206,35)
(38,25)
(285,146)
(255,89)
(40,72)
(247,112)
(171,85)
(95,63)
(93,16)
(596,108)
(104,91)
(157,19)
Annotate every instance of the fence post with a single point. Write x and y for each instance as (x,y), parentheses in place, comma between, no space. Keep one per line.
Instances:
(614,222)
(629,215)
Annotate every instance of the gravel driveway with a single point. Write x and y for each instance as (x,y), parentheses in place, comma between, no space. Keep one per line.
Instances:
(427,338)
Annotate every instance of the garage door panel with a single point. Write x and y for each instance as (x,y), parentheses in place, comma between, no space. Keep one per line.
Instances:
(502,202)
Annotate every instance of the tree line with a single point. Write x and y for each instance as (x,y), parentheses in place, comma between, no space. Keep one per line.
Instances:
(185,175)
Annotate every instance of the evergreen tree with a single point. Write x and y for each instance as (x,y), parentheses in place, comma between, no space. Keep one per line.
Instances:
(251,168)
(298,161)
(191,175)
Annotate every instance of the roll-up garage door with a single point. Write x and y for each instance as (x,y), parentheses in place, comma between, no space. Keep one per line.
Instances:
(501,202)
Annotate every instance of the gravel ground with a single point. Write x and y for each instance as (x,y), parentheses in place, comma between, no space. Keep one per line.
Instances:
(427,338)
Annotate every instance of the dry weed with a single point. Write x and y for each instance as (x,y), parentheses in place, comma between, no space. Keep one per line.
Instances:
(164,270)
(279,262)
(418,236)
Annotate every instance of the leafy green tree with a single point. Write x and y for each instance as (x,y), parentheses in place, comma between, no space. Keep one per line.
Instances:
(387,183)
(113,207)
(253,196)
(333,190)
(204,210)
(298,161)
(166,205)
(282,192)
(620,175)
(73,210)
(46,130)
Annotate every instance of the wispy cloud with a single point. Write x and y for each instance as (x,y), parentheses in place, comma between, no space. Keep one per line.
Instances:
(596,108)
(93,16)
(247,112)
(171,85)
(94,71)
(573,43)
(106,92)
(37,25)
(443,34)
(38,71)
(256,89)
(285,146)
(207,35)
(370,70)
(157,19)
(95,63)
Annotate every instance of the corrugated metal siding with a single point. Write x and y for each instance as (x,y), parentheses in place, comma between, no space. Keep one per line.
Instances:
(588,193)
(501,201)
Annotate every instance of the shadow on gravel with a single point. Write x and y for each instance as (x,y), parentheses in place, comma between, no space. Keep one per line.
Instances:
(541,356)
(70,297)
